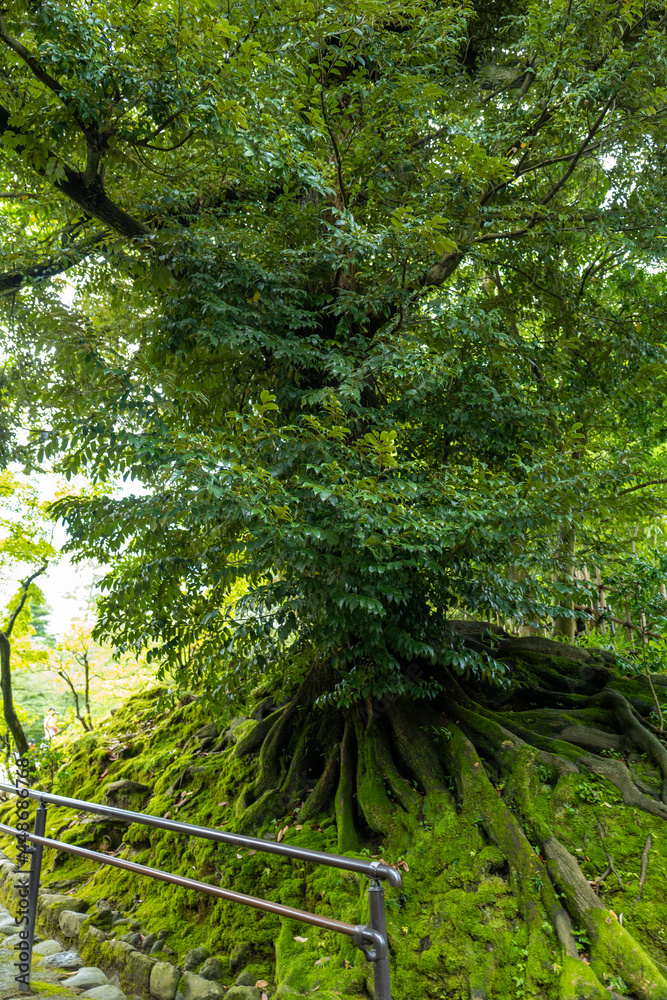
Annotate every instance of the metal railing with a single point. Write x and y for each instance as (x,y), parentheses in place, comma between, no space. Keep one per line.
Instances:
(370,938)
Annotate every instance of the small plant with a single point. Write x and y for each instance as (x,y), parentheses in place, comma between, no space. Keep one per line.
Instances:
(615,983)
(588,791)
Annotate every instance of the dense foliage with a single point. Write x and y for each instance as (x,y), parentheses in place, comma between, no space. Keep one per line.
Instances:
(368,295)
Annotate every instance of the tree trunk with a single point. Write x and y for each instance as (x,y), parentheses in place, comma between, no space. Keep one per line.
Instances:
(564,627)
(11,718)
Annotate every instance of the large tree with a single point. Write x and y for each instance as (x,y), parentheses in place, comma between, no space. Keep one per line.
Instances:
(344,288)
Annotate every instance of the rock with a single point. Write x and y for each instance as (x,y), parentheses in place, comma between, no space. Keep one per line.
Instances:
(102,916)
(194,958)
(239,953)
(243,993)
(135,925)
(207,732)
(87,978)
(127,794)
(138,969)
(70,923)
(245,979)
(93,936)
(13,940)
(193,987)
(62,960)
(50,947)
(158,946)
(148,942)
(134,939)
(213,969)
(51,905)
(164,981)
(161,935)
(10,928)
(6,867)
(107,992)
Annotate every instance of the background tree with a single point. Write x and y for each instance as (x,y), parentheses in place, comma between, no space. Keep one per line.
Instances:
(24,541)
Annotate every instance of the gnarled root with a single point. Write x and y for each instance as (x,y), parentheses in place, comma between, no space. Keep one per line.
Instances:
(618,774)
(419,758)
(533,886)
(377,779)
(630,723)
(344,797)
(612,948)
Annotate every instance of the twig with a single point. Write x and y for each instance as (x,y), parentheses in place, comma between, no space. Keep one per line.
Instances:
(642,876)
(610,860)
(596,883)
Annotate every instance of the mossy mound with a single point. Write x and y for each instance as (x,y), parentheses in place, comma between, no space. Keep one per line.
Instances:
(533,866)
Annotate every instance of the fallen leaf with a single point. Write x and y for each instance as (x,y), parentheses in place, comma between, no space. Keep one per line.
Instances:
(261,984)
(264,997)
(282,833)
(220,804)
(299,827)
(239,855)
(404,865)
(607,805)
(167,815)
(300,939)
(250,853)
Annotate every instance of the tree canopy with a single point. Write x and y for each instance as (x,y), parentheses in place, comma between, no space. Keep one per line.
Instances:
(368,294)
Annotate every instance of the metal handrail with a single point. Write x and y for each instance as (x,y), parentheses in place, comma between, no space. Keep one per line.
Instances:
(374,934)
(374,869)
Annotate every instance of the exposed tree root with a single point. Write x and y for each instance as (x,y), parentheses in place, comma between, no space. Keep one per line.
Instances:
(388,775)
(344,797)
(613,949)
(640,735)
(386,799)
(618,774)
(644,868)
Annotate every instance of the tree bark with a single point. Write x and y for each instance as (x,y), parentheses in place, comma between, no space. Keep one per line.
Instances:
(564,627)
(11,718)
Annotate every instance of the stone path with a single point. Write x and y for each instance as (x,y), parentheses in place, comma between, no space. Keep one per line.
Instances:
(45,982)
(49,978)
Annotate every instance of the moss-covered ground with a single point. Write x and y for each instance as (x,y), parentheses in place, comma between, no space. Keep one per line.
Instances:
(457,929)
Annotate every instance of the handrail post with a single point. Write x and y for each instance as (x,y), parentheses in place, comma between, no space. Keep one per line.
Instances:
(36,852)
(378,921)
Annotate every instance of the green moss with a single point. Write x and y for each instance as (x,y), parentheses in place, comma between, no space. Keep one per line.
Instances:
(579,982)
(613,950)
(38,986)
(456,926)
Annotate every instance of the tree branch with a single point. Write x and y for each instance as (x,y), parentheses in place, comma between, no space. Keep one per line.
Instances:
(580,152)
(94,202)
(642,486)
(11,281)
(25,584)
(31,62)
